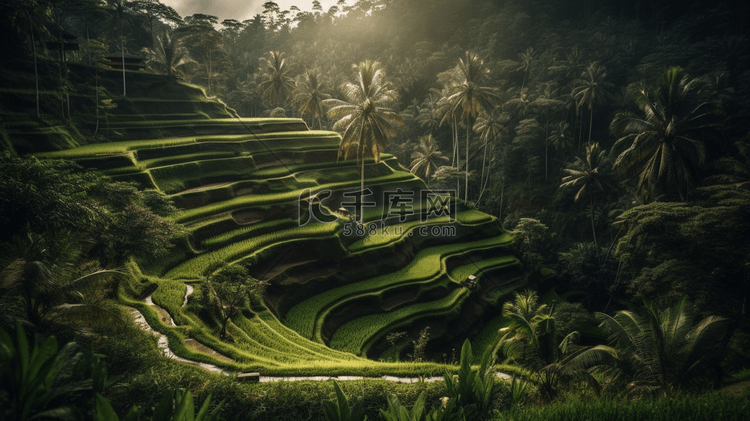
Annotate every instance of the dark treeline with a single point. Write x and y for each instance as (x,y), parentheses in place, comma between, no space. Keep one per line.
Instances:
(611,136)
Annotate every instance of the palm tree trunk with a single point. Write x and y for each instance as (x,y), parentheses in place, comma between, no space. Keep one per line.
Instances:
(454,134)
(546,147)
(209,72)
(591,122)
(96,96)
(481,179)
(487,180)
(36,71)
(593,229)
(456,158)
(122,49)
(466,176)
(361,177)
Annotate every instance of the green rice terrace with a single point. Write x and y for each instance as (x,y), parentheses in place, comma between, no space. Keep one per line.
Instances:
(271,195)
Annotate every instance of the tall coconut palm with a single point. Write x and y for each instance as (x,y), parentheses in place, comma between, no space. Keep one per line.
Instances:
(120,7)
(429,114)
(521,104)
(489,126)
(592,90)
(661,351)
(451,118)
(31,17)
(426,159)
(276,85)
(664,142)
(588,176)
(560,138)
(169,56)
(450,80)
(364,120)
(527,62)
(309,95)
(547,104)
(531,339)
(470,99)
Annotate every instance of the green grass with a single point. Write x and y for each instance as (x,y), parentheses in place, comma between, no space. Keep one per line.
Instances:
(355,335)
(248,172)
(427,264)
(252,230)
(285,139)
(399,231)
(201,264)
(266,199)
(688,408)
(352,336)
(169,295)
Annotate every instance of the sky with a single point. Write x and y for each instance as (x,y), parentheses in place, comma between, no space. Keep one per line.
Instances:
(237,9)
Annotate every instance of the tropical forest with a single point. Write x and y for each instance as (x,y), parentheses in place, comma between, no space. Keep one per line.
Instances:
(374,210)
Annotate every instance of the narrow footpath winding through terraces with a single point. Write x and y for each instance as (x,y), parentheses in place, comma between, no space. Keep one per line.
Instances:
(163,344)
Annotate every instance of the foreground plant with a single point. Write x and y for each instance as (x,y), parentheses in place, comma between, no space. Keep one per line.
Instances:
(473,390)
(532,340)
(661,351)
(173,406)
(446,412)
(339,409)
(45,381)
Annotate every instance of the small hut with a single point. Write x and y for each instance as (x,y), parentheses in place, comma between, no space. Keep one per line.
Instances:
(132,61)
(64,41)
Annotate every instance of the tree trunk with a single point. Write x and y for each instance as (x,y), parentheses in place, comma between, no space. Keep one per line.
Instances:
(36,71)
(122,49)
(362,176)
(466,176)
(484,181)
(224,328)
(593,229)
(96,96)
(591,122)
(209,72)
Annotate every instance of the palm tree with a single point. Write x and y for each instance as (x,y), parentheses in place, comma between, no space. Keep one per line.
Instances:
(521,104)
(169,56)
(120,7)
(663,142)
(276,84)
(364,120)
(588,177)
(527,61)
(429,114)
(426,158)
(731,170)
(451,118)
(309,96)
(450,82)
(489,126)
(32,16)
(573,63)
(591,90)
(45,280)
(531,338)
(470,99)
(548,105)
(560,137)
(664,350)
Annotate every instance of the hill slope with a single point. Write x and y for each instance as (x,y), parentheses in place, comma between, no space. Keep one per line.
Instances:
(270,194)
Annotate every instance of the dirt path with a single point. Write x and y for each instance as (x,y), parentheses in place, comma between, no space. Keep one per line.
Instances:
(163,344)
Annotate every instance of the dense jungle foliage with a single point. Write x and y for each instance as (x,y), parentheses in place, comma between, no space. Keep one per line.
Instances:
(609,138)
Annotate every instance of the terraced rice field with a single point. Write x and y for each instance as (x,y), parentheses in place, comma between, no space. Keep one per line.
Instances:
(270,194)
